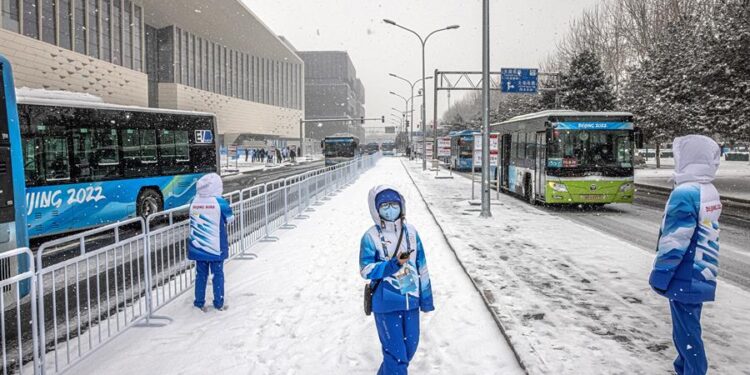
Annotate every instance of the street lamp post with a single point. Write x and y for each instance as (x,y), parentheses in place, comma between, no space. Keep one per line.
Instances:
(423,41)
(410,135)
(406,102)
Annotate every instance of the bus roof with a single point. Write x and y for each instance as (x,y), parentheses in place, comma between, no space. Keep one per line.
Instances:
(465,132)
(43,97)
(340,135)
(565,113)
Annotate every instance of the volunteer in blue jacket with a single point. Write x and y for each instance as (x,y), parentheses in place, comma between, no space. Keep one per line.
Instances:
(687,261)
(208,245)
(403,283)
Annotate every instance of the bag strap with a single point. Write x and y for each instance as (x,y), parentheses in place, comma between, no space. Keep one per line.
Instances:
(385,249)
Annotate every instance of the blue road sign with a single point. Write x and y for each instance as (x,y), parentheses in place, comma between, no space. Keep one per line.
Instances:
(522,81)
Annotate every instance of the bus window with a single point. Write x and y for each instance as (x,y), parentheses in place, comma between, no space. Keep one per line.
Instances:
(31,161)
(82,153)
(148,146)
(106,156)
(182,146)
(530,148)
(174,151)
(57,166)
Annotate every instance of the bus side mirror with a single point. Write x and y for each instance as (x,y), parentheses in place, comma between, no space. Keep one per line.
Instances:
(549,135)
(638,137)
(322,145)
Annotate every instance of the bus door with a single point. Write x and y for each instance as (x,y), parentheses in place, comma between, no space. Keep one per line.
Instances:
(505,144)
(541,164)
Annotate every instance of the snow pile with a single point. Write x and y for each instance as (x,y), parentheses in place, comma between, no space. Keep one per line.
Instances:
(296,307)
(572,299)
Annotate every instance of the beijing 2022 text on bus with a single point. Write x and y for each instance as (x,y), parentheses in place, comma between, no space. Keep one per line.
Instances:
(87,163)
(568,157)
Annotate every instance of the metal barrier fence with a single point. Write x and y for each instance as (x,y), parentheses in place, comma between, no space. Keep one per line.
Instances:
(78,303)
(18,315)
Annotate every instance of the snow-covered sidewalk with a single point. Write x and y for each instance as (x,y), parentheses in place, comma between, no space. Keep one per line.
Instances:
(572,299)
(296,307)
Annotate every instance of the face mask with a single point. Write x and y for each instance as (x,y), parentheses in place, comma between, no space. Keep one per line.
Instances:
(390,211)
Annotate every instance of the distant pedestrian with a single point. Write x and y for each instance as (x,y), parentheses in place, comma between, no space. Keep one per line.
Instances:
(247,153)
(278,155)
(687,261)
(293,155)
(392,257)
(208,244)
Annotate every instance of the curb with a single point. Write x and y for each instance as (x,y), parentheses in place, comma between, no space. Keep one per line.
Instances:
(499,324)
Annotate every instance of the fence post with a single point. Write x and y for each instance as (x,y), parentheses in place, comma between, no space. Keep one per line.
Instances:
(242,224)
(286,201)
(147,267)
(265,211)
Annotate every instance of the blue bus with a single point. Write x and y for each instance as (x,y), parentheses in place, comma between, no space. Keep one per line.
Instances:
(12,218)
(340,148)
(86,163)
(388,148)
(462,149)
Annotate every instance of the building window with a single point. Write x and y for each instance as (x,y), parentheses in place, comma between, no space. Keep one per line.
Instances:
(30,19)
(198,63)
(127,34)
(184,57)
(215,67)
(116,32)
(63,19)
(80,24)
(255,78)
(106,30)
(10,15)
(49,21)
(177,54)
(137,39)
(230,71)
(93,28)
(204,64)
(191,60)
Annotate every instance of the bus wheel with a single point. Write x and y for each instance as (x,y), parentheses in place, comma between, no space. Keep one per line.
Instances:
(149,202)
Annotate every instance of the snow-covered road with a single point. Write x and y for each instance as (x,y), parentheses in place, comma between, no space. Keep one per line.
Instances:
(296,307)
(572,299)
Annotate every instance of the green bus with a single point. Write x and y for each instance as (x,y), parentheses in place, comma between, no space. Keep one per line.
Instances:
(567,157)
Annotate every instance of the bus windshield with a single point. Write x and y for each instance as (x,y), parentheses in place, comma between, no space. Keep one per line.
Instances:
(599,150)
(388,146)
(339,148)
(465,146)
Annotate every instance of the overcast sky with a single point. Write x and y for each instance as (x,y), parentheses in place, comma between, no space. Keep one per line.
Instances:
(523,32)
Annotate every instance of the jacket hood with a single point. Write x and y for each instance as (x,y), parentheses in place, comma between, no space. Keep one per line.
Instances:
(696,159)
(371,201)
(210,185)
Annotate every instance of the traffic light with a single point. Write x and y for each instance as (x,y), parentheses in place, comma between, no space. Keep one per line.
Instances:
(362,120)
(382,119)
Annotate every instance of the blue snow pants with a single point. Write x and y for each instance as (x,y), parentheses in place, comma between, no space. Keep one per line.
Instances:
(686,333)
(201,278)
(399,337)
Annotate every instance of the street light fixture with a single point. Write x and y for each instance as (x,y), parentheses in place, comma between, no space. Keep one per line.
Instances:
(423,41)
(410,135)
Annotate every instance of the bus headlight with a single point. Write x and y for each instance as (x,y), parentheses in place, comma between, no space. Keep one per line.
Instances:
(558,187)
(626,187)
